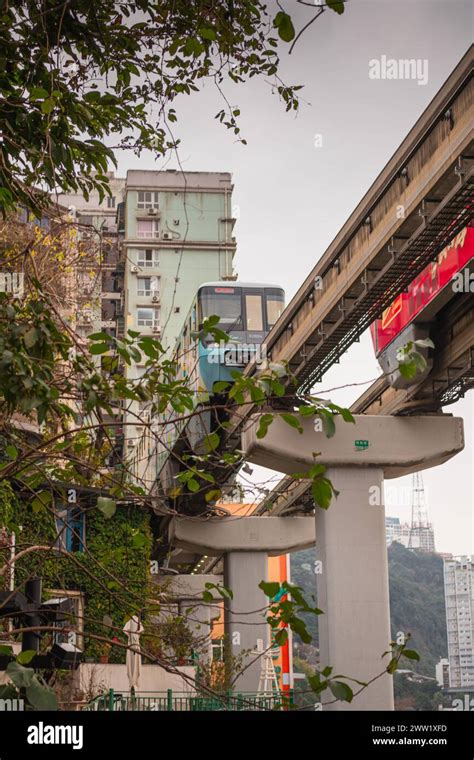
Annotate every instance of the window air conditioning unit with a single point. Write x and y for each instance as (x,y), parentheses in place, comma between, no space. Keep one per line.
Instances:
(155,299)
(134,268)
(167,236)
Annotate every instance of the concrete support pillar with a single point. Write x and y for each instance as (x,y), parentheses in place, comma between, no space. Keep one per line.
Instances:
(353,586)
(245,619)
(350,535)
(199,619)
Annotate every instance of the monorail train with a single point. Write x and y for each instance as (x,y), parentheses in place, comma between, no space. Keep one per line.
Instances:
(409,317)
(247,312)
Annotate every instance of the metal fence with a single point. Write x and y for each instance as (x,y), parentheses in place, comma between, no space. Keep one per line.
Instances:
(174,701)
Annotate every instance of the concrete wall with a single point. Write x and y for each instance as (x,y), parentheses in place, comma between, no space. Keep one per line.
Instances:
(100,677)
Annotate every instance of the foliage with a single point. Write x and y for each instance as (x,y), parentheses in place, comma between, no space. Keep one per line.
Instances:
(417,604)
(410,360)
(77,74)
(112,574)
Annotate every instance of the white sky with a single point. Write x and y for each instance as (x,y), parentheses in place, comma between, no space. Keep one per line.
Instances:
(291,198)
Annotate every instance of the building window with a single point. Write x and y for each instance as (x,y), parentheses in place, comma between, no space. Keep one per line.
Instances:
(76,621)
(144,286)
(147,317)
(147,257)
(147,286)
(71,529)
(111,201)
(147,199)
(148,228)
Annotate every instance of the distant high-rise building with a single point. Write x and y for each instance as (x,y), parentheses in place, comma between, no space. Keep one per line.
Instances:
(442,673)
(459,596)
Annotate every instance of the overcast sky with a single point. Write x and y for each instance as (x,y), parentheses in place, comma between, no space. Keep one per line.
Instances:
(291,197)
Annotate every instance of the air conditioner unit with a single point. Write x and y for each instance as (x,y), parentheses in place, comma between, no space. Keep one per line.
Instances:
(167,236)
(156,328)
(155,299)
(152,212)
(131,443)
(134,269)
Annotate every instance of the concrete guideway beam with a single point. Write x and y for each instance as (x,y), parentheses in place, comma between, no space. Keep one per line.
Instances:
(398,445)
(272,535)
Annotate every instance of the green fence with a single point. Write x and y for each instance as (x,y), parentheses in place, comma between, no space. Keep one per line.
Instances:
(175,701)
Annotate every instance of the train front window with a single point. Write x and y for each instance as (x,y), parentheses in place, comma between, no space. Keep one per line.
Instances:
(226,303)
(253,308)
(275,303)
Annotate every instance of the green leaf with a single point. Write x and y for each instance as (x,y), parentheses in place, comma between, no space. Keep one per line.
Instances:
(281,637)
(264,423)
(211,442)
(24,658)
(207,33)
(5,650)
(322,492)
(107,506)
(212,495)
(411,654)
(20,675)
(329,426)
(269,588)
(99,348)
(336,5)
(284,24)
(41,501)
(11,451)
(220,386)
(138,540)
(392,665)
(292,421)
(341,691)
(38,93)
(41,697)
(193,485)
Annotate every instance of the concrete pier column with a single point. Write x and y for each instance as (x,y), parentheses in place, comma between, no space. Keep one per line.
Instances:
(353,586)
(245,619)
(199,619)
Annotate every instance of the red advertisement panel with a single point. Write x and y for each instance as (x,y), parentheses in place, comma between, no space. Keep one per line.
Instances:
(424,289)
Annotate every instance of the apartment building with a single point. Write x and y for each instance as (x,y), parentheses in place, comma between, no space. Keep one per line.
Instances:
(162,234)
(459,599)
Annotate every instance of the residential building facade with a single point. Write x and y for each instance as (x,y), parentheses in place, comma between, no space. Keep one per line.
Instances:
(459,597)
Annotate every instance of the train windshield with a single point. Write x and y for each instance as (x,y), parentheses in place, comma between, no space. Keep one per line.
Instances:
(226,303)
(275,302)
